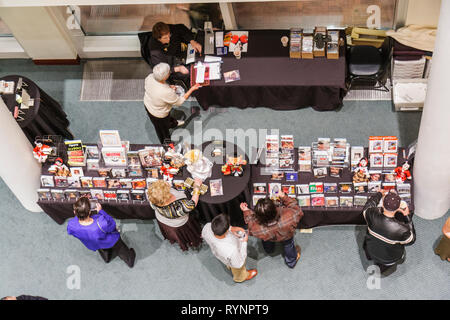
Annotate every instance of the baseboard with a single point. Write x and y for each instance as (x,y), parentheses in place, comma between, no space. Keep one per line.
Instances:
(58,62)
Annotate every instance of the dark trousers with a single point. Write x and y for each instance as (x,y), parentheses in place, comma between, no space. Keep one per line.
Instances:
(290,252)
(119,249)
(162,126)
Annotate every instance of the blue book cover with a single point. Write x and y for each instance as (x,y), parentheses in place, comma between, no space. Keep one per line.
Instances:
(291,176)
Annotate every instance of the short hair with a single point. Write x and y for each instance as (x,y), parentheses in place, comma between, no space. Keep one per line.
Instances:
(160,29)
(159,193)
(161,71)
(265,210)
(220,224)
(82,208)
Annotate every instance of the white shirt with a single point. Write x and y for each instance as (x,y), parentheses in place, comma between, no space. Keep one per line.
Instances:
(160,97)
(230,250)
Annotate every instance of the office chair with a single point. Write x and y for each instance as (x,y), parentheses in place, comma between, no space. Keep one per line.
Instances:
(370,65)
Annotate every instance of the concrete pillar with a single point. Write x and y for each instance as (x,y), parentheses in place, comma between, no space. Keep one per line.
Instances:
(18,168)
(432,161)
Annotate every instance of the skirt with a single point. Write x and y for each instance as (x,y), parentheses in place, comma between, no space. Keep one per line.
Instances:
(188,235)
(443,248)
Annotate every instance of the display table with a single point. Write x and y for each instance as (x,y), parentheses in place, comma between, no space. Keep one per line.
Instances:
(321,216)
(45,117)
(235,189)
(269,78)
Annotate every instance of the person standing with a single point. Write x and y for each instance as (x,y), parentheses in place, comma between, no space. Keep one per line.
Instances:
(272,224)
(386,235)
(443,248)
(229,245)
(98,232)
(168,44)
(160,97)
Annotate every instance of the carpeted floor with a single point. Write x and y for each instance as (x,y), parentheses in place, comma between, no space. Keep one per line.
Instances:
(39,257)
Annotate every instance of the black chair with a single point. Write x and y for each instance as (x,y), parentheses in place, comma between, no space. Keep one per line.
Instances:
(144,38)
(370,65)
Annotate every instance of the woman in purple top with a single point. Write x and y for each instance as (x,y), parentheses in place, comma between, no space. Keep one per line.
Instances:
(99,232)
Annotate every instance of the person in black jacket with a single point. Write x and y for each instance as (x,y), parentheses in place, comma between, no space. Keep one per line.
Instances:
(168,44)
(386,235)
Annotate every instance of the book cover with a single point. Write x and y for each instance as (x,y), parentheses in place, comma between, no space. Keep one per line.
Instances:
(390,160)
(138,183)
(118,172)
(315,187)
(135,171)
(320,172)
(123,195)
(92,153)
(92,164)
(287,143)
(47,181)
(110,195)
(374,186)
(336,172)
(288,189)
(389,177)
(286,161)
(390,144)
(388,186)
(97,194)
(216,188)
(330,187)
(114,156)
(323,144)
(104,172)
(360,201)
(113,183)
(260,188)
(346,201)
(376,144)
(73,182)
(277,175)
(85,193)
(86,182)
(126,183)
(133,158)
(360,187)
(304,201)
(406,197)
(58,195)
(318,200)
(99,182)
(291,176)
(376,160)
(304,154)
(110,138)
(357,154)
(61,182)
(375,175)
(137,195)
(403,188)
(231,76)
(44,194)
(274,189)
(304,166)
(76,171)
(151,156)
(71,194)
(345,187)
(331,202)
(302,188)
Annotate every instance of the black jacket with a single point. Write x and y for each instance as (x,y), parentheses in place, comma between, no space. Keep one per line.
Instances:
(169,53)
(386,237)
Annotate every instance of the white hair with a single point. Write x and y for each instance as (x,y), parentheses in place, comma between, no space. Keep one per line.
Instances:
(161,71)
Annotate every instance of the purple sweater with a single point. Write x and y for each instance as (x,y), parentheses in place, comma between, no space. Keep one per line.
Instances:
(92,235)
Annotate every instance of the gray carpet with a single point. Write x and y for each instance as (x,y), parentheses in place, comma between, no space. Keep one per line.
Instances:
(38,252)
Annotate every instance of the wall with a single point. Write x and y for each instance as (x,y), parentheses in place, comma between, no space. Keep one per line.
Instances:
(423,12)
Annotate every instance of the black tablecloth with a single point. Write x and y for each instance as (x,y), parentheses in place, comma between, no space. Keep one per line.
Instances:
(45,117)
(235,189)
(320,216)
(269,78)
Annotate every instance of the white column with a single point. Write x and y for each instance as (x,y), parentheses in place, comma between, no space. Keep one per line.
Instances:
(432,163)
(18,168)
(229,20)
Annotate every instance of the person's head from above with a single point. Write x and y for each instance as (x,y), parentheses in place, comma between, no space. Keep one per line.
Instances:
(391,202)
(159,193)
(161,32)
(82,208)
(220,224)
(265,210)
(161,72)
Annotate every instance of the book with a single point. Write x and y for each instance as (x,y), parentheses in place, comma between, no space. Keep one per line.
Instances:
(288,189)
(274,189)
(360,201)
(323,144)
(71,194)
(58,195)
(390,144)
(375,175)
(345,187)
(135,171)
(151,156)
(126,183)
(307,46)
(403,188)
(97,194)
(92,153)
(47,181)
(92,164)
(406,197)
(376,144)
(110,195)
(286,161)
(287,143)
(61,182)
(44,194)
(295,46)
(73,182)
(114,156)
(76,171)
(388,186)
(302,188)
(231,76)
(291,176)
(256,198)
(137,195)
(277,175)
(260,188)
(390,160)
(85,193)
(113,183)
(376,160)
(304,166)
(75,154)
(357,154)
(99,182)
(304,154)
(123,195)
(304,201)
(345,201)
(320,172)
(138,183)
(86,182)
(318,200)
(110,138)
(118,172)
(215,187)
(315,187)
(389,177)
(330,187)
(373,186)
(331,202)
(336,172)
(360,187)
(272,145)
(104,172)
(6,87)
(133,158)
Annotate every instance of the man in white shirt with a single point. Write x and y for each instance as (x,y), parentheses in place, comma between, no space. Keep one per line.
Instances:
(159,99)
(229,245)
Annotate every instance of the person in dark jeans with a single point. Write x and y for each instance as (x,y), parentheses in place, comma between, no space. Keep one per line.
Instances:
(272,224)
(98,232)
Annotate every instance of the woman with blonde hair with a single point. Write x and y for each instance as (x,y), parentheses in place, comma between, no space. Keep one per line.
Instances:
(172,210)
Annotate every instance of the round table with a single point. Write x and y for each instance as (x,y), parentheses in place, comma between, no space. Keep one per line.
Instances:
(45,117)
